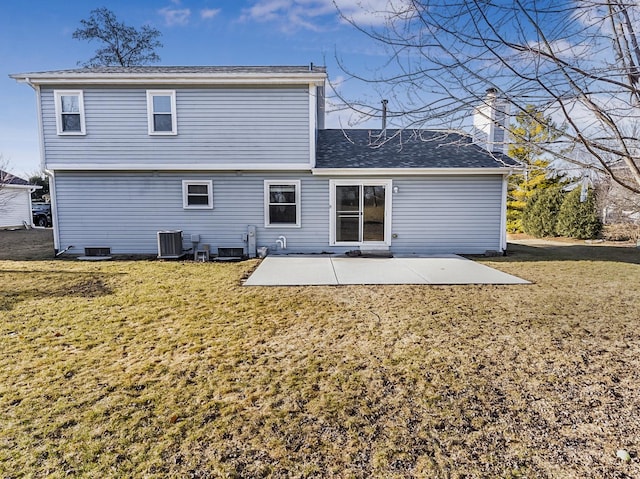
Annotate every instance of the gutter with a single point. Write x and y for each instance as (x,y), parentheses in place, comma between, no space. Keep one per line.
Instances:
(506,171)
(174,79)
(43,166)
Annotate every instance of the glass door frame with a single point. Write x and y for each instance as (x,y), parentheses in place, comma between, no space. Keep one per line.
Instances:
(387,211)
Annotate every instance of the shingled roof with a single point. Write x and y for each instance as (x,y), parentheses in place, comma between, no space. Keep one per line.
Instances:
(403,149)
(7,178)
(183,70)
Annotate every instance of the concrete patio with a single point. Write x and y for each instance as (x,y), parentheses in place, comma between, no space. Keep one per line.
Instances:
(306,270)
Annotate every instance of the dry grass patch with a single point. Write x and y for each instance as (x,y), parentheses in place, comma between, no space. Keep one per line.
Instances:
(154,369)
(34,244)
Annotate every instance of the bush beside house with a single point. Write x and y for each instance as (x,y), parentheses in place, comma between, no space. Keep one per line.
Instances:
(578,219)
(541,213)
(553,212)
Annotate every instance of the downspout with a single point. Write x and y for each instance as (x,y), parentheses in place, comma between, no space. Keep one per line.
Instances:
(54,209)
(503,213)
(36,88)
(313,118)
(43,165)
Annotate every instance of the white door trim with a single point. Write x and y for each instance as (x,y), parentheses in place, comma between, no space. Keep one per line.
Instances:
(387,211)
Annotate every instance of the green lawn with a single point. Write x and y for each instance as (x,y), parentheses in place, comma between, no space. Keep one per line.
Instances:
(170,369)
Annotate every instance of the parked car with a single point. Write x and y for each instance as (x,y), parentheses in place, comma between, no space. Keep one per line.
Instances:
(41,213)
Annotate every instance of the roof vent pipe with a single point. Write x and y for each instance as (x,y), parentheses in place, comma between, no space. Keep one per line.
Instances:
(384,114)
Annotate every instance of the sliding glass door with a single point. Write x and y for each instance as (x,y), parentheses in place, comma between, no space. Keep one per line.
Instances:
(360,211)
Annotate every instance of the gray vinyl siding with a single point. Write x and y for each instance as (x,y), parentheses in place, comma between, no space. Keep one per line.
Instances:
(215,126)
(460,214)
(124,211)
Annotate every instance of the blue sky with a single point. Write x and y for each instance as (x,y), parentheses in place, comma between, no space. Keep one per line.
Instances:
(36,35)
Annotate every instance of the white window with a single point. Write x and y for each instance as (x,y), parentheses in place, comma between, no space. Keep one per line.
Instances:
(282,203)
(197,194)
(69,112)
(161,112)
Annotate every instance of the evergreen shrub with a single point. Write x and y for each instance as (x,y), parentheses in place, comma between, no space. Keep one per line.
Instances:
(578,219)
(541,213)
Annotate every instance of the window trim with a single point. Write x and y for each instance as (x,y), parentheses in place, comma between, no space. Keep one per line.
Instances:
(150,112)
(58,94)
(297,185)
(185,194)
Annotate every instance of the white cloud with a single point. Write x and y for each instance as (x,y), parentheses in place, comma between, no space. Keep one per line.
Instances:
(337,81)
(372,12)
(562,49)
(265,10)
(175,16)
(208,13)
(306,13)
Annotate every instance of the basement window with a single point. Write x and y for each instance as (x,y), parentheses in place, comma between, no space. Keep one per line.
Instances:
(197,194)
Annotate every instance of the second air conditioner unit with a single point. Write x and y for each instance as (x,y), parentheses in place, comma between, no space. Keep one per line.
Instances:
(170,244)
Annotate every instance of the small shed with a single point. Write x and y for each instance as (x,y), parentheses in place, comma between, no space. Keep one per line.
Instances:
(15,201)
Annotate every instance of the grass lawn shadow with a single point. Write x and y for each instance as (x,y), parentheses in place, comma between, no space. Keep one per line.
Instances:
(520,252)
(22,285)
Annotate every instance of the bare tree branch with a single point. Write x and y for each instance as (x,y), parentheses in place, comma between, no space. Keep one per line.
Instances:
(122,45)
(578,61)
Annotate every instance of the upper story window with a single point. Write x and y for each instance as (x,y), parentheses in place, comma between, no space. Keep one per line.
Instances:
(69,112)
(161,110)
(197,194)
(282,203)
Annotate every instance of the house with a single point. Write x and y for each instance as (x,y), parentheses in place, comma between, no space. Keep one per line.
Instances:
(239,157)
(15,201)
(618,205)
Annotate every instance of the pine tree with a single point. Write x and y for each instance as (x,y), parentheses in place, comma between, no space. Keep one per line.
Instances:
(540,216)
(576,218)
(531,128)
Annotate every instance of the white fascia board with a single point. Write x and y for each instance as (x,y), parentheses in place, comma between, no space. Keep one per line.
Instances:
(40,126)
(410,171)
(180,167)
(174,79)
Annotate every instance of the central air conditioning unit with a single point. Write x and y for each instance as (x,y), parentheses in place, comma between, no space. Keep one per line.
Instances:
(170,244)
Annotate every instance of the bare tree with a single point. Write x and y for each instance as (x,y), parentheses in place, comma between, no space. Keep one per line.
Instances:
(122,45)
(6,178)
(578,61)
(616,204)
